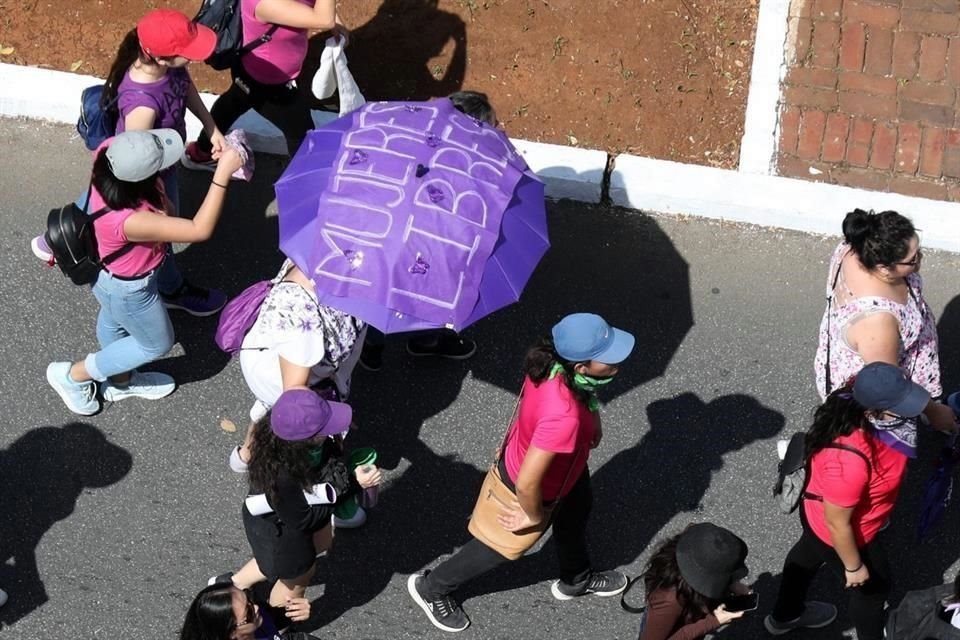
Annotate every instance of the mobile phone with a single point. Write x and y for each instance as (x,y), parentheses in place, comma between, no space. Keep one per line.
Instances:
(747,602)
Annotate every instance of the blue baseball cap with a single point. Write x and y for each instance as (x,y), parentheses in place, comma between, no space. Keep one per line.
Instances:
(580,337)
(884,387)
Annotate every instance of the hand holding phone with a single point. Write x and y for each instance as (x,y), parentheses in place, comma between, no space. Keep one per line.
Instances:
(744,602)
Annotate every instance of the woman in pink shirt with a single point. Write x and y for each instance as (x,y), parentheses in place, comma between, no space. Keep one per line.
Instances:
(545,461)
(854,479)
(133,228)
(264,79)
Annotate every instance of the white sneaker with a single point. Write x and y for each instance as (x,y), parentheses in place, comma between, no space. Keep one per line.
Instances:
(40,248)
(150,385)
(80,397)
(356,520)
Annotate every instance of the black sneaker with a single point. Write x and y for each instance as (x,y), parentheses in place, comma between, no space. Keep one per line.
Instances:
(601,583)
(444,612)
(444,345)
(371,357)
(196,301)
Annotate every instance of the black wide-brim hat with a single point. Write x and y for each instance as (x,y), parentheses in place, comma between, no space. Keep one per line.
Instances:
(710,559)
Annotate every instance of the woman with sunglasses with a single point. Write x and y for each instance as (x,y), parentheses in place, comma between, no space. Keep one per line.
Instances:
(224,612)
(876,311)
(853,482)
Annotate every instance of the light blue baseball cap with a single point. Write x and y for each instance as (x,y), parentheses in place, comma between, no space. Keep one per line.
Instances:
(580,337)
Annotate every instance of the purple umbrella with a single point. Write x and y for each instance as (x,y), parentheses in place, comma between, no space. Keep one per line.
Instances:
(411,215)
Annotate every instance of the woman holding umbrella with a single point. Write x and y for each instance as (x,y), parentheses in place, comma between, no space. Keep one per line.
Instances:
(854,479)
(544,464)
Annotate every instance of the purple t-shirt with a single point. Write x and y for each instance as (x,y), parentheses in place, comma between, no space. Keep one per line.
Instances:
(167,96)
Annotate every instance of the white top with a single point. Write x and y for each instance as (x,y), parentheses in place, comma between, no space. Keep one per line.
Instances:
(294,325)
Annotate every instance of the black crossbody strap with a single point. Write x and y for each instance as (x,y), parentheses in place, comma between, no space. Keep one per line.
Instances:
(827,385)
(99,213)
(835,445)
(262,40)
(623,597)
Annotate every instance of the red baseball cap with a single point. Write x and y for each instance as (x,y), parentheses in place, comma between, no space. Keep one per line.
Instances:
(165,33)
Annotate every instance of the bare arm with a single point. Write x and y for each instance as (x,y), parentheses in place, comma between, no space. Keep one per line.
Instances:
(140,119)
(289,13)
(844,543)
(293,375)
(196,107)
(876,338)
(145,226)
(529,485)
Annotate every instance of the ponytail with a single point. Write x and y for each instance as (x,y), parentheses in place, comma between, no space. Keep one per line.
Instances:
(540,362)
(128,53)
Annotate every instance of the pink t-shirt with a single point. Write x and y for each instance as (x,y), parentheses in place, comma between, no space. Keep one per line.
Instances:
(144,257)
(551,418)
(842,478)
(278,61)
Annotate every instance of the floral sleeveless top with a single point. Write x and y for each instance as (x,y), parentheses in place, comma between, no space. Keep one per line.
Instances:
(919,350)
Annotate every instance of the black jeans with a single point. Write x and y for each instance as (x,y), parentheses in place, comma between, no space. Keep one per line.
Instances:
(282,104)
(569,533)
(866,602)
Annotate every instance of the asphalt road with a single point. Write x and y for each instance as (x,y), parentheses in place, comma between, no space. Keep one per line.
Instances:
(112,523)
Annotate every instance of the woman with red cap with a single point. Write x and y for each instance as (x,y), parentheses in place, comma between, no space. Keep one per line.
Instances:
(294,448)
(264,79)
(150,87)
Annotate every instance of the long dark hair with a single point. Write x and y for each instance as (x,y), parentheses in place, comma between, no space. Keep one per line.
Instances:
(839,415)
(663,572)
(210,616)
(539,362)
(118,194)
(878,239)
(128,53)
(270,455)
(474,104)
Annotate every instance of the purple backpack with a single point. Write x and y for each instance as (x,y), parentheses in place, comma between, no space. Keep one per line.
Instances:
(238,316)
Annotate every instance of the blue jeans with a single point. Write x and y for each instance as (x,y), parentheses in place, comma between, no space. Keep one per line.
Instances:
(169,277)
(133,327)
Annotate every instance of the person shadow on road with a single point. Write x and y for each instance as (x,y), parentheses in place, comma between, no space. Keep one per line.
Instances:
(42,474)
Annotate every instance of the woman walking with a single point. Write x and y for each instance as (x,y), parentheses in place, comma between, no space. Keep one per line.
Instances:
(294,448)
(264,79)
(854,479)
(687,580)
(133,327)
(876,311)
(544,464)
(151,88)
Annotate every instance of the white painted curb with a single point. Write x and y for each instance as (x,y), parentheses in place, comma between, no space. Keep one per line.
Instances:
(55,95)
(638,183)
(817,207)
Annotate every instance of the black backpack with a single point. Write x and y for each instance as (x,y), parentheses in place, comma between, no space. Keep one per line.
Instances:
(73,242)
(223,16)
(918,616)
(793,473)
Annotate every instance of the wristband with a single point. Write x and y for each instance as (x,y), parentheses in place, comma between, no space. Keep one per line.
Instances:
(860,566)
(217,184)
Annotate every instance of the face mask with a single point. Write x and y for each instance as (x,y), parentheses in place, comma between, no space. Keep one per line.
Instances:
(316,456)
(589,384)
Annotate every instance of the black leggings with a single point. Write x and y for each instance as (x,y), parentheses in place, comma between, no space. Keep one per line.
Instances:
(282,104)
(569,533)
(866,602)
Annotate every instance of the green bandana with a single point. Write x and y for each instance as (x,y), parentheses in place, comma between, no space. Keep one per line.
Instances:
(589,384)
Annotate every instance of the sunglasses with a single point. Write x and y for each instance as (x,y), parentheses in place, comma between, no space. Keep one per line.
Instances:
(914,262)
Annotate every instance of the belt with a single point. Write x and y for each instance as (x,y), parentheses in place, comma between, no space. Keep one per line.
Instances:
(129,278)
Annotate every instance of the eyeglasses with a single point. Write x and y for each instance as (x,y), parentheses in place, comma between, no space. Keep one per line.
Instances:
(249,610)
(914,262)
